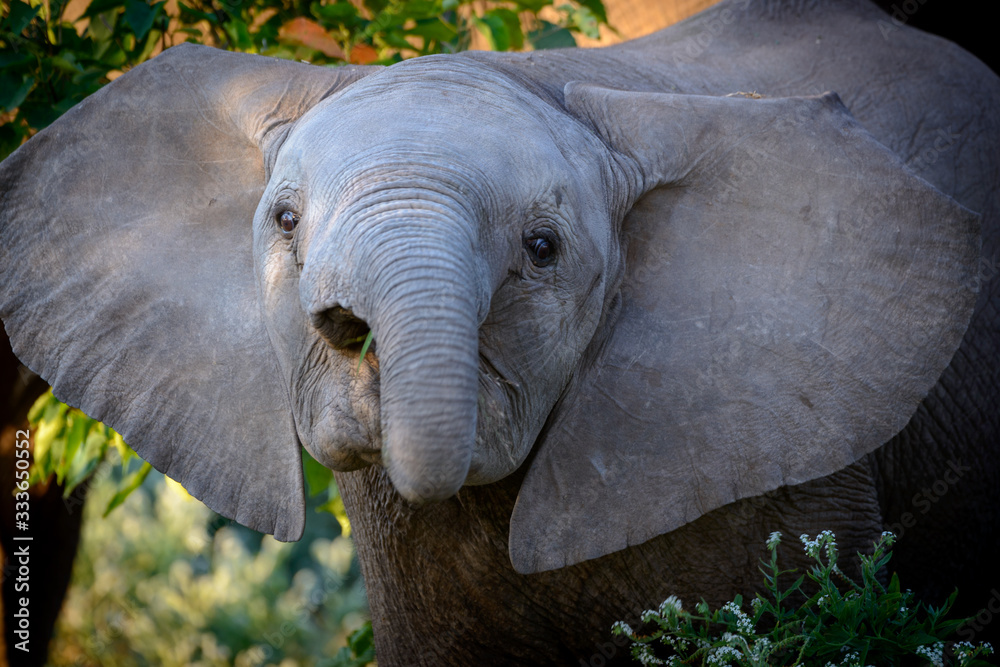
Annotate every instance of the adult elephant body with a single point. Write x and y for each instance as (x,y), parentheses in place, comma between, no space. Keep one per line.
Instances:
(686,307)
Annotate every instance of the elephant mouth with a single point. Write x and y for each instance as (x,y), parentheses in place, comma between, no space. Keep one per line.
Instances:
(344,331)
(356,440)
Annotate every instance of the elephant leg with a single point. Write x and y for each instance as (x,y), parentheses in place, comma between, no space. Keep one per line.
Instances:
(940,479)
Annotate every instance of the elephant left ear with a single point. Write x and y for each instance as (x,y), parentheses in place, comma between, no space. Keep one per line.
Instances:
(791,293)
(127,273)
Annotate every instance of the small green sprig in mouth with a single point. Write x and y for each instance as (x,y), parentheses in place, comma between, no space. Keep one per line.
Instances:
(368,339)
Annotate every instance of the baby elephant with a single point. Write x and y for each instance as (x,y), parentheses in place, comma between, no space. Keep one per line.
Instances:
(634,308)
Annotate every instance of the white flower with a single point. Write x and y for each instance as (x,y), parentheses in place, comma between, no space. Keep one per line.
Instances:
(774,540)
(723,654)
(811,547)
(647,657)
(743,623)
(623,628)
(671,605)
(934,653)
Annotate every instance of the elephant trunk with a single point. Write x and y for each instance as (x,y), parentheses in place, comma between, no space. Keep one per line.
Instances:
(410,277)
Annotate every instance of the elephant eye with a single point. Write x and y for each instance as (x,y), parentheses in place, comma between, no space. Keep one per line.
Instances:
(287,221)
(541,251)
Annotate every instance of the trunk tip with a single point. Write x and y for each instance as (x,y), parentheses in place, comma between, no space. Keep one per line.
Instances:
(422,484)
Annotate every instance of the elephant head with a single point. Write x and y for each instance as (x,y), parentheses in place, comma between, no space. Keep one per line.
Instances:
(657,303)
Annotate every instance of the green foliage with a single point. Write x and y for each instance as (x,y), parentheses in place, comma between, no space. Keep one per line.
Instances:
(165,581)
(360,649)
(69,445)
(842,622)
(321,485)
(50,60)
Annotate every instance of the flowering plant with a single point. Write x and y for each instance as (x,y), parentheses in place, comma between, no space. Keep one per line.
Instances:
(838,622)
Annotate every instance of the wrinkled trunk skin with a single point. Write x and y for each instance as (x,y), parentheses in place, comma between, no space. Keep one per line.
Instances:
(427,338)
(440,584)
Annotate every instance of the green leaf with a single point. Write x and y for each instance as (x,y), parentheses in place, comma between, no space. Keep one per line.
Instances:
(102,30)
(533,6)
(13,60)
(375,6)
(151,41)
(551,36)
(434,29)
(596,8)
(335,506)
(39,406)
(11,136)
(494,30)
(189,13)
(512,25)
(13,91)
(362,642)
(20,16)
(318,476)
(414,9)
(49,427)
(581,19)
(360,649)
(129,484)
(102,6)
(86,460)
(140,16)
(125,452)
(336,12)
(239,34)
(76,433)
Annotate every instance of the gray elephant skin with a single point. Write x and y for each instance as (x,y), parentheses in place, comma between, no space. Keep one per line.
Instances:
(634,308)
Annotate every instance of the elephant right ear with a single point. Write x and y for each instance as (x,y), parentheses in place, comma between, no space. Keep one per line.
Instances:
(127,271)
(790,293)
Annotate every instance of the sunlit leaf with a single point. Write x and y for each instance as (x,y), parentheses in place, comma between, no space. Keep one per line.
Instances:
(494,30)
(335,506)
(124,451)
(129,484)
(512,25)
(596,8)
(86,461)
(73,438)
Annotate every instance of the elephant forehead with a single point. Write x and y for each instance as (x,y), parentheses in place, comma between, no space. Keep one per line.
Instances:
(485,123)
